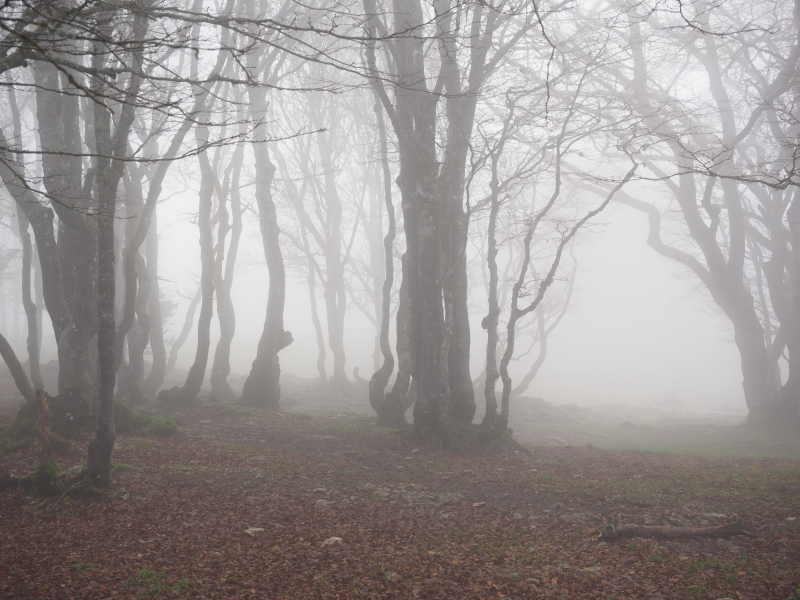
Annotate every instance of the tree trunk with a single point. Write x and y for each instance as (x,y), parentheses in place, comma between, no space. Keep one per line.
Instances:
(619,530)
(109,172)
(139,334)
(312,298)
(391,408)
(76,249)
(27,302)
(155,378)
(262,386)
(33,341)
(335,293)
(188,323)
(16,370)
(223,278)
(491,320)
(197,372)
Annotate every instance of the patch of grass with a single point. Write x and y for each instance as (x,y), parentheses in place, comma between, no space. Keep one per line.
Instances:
(142,444)
(154,582)
(83,567)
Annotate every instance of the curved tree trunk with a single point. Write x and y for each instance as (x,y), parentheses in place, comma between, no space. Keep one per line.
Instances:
(33,341)
(223,278)
(262,386)
(197,372)
(188,324)
(138,335)
(16,370)
(390,407)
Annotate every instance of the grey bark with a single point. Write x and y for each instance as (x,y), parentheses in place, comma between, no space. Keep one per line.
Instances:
(262,386)
(31,311)
(188,324)
(155,378)
(196,375)
(16,370)
(98,464)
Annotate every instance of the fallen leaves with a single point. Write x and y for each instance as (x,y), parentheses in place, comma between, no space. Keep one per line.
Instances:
(180,531)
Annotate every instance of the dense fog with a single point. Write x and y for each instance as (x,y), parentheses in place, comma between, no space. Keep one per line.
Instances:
(456,208)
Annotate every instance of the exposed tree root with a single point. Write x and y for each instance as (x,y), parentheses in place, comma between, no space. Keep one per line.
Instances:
(618,530)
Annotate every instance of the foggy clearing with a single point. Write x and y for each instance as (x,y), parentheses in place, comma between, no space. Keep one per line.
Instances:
(409,299)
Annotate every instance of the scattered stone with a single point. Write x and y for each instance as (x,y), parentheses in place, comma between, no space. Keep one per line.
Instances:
(319,490)
(331,541)
(714,516)
(574,517)
(477,504)
(251,530)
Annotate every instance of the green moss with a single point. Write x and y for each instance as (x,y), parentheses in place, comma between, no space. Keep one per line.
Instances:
(128,420)
(230,410)
(143,444)
(62,446)
(173,395)
(122,467)
(69,416)
(159,426)
(9,446)
(44,479)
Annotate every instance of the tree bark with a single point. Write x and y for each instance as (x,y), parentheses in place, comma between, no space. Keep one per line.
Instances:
(45,427)
(619,530)
(223,277)
(197,372)
(391,408)
(188,324)
(31,315)
(98,464)
(262,386)
(155,378)
(16,370)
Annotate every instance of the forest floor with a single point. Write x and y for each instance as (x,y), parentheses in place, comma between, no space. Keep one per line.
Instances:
(247,504)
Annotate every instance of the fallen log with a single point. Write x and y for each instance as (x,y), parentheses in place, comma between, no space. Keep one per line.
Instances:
(618,530)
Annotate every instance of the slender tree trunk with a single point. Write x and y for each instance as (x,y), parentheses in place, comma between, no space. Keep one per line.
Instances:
(188,323)
(16,370)
(262,386)
(33,341)
(390,408)
(75,252)
(197,372)
(223,279)
(138,335)
(30,307)
(335,294)
(156,376)
(312,298)
(98,464)
(491,320)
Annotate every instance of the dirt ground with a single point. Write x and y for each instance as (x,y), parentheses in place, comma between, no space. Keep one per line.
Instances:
(322,502)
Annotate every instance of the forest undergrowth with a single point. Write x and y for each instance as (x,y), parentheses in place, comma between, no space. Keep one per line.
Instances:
(248,504)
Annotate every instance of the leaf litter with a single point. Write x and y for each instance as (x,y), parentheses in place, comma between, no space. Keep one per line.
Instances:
(342,514)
